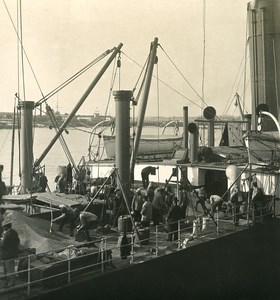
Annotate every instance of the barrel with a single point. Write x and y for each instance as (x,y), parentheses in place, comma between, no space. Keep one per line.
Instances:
(124,224)
(143,236)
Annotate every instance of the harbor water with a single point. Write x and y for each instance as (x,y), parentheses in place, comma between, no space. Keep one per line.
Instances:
(77,141)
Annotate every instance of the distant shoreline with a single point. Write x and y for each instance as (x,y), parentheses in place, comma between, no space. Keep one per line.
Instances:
(88,121)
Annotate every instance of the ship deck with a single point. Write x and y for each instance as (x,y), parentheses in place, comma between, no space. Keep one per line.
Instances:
(149,249)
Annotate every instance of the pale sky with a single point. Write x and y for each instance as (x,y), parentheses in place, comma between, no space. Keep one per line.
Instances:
(61,36)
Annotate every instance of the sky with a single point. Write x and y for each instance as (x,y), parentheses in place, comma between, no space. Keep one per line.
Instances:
(61,37)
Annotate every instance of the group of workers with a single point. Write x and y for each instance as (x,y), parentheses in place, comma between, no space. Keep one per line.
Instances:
(232,203)
(149,204)
(73,217)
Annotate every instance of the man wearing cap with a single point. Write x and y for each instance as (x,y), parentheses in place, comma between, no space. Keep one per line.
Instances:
(136,205)
(145,175)
(9,245)
(117,206)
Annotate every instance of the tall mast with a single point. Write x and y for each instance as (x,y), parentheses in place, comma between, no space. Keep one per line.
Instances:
(13,148)
(144,100)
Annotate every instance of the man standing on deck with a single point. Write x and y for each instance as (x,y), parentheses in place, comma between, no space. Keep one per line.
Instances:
(234,202)
(43,183)
(9,245)
(136,205)
(146,212)
(145,175)
(69,177)
(202,197)
(3,189)
(174,215)
(117,206)
(158,206)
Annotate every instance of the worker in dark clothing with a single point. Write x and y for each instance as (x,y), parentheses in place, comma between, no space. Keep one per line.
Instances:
(145,175)
(9,245)
(256,195)
(43,183)
(87,220)
(174,215)
(159,206)
(68,215)
(69,177)
(117,206)
(3,189)
(235,204)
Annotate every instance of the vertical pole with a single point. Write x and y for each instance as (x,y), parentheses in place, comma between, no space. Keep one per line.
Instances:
(13,149)
(249,200)
(132,248)
(177,182)
(263,55)
(123,99)
(192,127)
(185,127)
(26,147)
(28,275)
(248,119)
(144,100)
(255,101)
(217,228)
(102,254)
(179,234)
(276,78)
(69,265)
(211,133)
(157,240)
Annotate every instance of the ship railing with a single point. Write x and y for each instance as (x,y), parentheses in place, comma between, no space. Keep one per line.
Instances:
(61,267)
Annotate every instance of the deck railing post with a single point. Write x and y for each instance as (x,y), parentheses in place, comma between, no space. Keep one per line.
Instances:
(102,254)
(132,248)
(157,240)
(179,234)
(69,265)
(217,228)
(105,251)
(28,275)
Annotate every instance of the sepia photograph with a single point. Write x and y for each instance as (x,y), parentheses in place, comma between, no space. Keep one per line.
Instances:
(139,149)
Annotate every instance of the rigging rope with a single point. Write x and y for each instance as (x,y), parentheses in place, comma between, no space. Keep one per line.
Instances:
(167,85)
(203,58)
(235,81)
(245,64)
(20,42)
(73,77)
(113,78)
(158,100)
(183,75)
